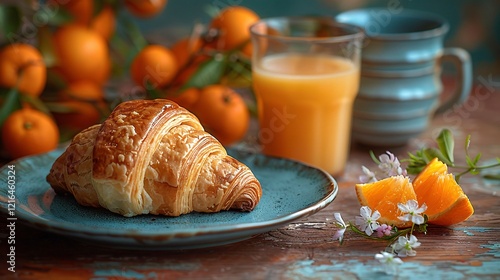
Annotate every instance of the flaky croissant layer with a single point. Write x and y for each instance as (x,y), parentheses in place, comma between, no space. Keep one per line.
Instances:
(153,157)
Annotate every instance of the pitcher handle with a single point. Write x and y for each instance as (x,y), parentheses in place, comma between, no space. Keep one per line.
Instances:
(461,60)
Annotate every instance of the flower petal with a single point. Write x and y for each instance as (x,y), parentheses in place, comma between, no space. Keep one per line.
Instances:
(413,241)
(365,212)
(360,222)
(376,215)
(421,209)
(405,217)
(339,235)
(339,219)
(403,208)
(384,158)
(412,204)
(417,219)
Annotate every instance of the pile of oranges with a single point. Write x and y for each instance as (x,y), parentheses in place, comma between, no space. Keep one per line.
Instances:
(55,88)
(175,72)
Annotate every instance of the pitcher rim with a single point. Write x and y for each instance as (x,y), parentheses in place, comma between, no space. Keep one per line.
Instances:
(440,30)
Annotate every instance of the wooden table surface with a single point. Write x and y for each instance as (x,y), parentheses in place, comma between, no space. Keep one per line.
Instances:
(304,249)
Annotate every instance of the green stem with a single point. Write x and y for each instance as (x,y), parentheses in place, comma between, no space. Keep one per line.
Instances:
(477,167)
(469,169)
(374,158)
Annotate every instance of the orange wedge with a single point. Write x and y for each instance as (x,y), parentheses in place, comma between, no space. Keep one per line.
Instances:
(446,202)
(384,196)
(458,212)
(434,166)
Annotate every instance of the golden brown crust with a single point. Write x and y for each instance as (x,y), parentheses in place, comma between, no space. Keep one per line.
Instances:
(71,172)
(152,156)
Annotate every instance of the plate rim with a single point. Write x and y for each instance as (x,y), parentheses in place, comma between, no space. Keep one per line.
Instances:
(70,228)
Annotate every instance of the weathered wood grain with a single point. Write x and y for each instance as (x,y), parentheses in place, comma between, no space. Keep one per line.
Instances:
(304,249)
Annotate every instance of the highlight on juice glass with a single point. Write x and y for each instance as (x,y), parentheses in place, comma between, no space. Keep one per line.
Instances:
(305,74)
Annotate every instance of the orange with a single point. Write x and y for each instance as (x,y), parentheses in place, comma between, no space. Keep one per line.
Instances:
(28,132)
(456,213)
(186,98)
(384,196)
(81,10)
(185,73)
(83,13)
(145,8)
(82,91)
(446,202)
(434,166)
(247,50)
(233,24)
(104,22)
(223,113)
(155,64)
(85,100)
(22,65)
(184,49)
(188,57)
(82,54)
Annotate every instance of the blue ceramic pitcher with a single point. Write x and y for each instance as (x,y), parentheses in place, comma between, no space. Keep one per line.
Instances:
(401,88)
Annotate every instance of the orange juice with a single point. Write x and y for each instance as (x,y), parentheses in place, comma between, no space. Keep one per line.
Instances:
(305,107)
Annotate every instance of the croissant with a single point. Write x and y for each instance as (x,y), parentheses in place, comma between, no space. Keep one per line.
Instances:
(153,157)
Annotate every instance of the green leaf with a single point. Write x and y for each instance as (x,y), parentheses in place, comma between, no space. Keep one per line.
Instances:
(10,19)
(36,103)
(239,67)
(476,159)
(11,103)
(474,171)
(431,153)
(55,81)
(446,145)
(423,227)
(124,54)
(133,32)
(238,72)
(98,6)
(414,170)
(209,73)
(417,162)
(46,46)
(469,161)
(492,176)
(374,158)
(467,144)
(152,91)
(59,108)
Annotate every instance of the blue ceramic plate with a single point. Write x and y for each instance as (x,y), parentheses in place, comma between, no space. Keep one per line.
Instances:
(291,190)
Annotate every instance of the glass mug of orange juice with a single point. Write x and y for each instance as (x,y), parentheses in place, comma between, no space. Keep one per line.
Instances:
(305,74)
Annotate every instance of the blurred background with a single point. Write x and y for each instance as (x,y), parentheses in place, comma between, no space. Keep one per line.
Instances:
(474,24)
(73,86)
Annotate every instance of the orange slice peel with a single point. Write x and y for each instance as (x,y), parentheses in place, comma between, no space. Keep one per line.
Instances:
(446,202)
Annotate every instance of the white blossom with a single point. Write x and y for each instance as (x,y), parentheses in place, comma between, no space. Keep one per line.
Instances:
(389,261)
(412,212)
(367,221)
(404,246)
(368,176)
(339,235)
(390,165)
